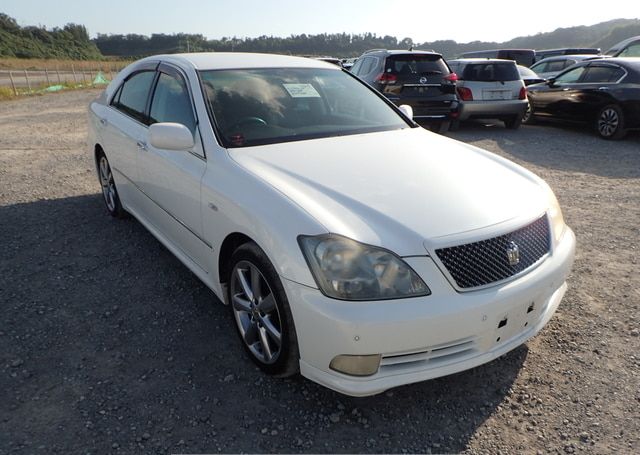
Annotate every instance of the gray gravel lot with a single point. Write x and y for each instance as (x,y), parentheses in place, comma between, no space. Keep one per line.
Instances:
(110,345)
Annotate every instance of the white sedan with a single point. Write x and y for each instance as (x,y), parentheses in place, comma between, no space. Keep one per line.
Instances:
(351,245)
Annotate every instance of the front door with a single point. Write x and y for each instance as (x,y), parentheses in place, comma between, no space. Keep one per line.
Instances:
(171,179)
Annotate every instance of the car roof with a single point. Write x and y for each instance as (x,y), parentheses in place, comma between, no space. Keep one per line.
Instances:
(628,61)
(237,60)
(402,52)
(480,60)
(570,56)
(618,46)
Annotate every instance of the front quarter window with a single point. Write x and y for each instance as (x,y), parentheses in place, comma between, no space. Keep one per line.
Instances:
(265,106)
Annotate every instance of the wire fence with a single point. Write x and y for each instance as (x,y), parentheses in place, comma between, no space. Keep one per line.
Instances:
(28,81)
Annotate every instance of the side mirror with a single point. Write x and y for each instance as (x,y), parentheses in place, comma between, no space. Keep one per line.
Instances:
(170,136)
(406,110)
(550,82)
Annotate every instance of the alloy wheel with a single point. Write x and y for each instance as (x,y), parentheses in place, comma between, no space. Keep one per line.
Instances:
(608,122)
(256,312)
(107,183)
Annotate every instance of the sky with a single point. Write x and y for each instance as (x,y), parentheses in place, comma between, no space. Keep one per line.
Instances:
(460,20)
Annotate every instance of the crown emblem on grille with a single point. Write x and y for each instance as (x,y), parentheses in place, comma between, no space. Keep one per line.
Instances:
(513,253)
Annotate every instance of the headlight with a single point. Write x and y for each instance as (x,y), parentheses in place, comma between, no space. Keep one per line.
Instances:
(555,216)
(349,270)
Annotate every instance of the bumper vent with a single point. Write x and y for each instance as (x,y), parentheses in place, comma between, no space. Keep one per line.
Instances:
(432,357)
(489,261)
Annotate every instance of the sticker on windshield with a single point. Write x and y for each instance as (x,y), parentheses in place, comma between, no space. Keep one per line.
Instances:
(301,90)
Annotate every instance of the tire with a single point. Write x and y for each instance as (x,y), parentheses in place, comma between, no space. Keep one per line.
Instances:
(440,127)
(261,312)
(454,125)
(513,123)
(528,118)
(109,190)
(610,123)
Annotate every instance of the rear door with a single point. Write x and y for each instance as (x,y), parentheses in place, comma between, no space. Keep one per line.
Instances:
(123,126)
(595,90)
(171,179)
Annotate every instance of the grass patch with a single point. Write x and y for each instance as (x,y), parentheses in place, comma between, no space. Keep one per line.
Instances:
(10,63)
(7,93)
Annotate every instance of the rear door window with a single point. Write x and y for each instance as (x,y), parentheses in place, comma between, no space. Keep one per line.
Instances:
(557,65)
(133,95)
(602,74)
(368,65)
(355,69)
(491,72)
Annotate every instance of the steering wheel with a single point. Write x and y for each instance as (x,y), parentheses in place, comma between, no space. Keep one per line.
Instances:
(248,121)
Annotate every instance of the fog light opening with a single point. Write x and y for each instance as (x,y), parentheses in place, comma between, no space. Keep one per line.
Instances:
(356,365)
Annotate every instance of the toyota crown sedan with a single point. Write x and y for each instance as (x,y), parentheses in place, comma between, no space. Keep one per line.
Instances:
(350,245)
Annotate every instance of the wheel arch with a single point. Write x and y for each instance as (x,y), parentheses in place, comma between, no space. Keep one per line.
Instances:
(227,247)
(97,150)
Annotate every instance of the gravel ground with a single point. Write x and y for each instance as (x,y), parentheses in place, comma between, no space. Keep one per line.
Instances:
(110,345)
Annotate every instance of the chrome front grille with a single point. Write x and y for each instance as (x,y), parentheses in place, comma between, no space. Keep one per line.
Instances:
(489,261)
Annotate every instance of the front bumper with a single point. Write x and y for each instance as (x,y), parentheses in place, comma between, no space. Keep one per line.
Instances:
(491,109)
(427,337)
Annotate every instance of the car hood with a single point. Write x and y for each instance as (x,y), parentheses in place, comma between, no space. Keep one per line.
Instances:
(400,189)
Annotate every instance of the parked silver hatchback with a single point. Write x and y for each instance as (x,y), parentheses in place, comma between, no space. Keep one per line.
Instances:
(489,89)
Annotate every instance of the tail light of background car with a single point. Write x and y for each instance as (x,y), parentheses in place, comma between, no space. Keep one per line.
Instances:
(523,94)
(453,77)
(387,78)
(465,94)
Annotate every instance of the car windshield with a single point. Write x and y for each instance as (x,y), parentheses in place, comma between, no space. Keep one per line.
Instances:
(266,106)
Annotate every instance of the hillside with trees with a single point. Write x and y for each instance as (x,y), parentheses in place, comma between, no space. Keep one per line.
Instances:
(70,42)
(602,35)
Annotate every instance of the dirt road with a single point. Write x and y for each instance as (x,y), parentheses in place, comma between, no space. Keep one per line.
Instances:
(110,345)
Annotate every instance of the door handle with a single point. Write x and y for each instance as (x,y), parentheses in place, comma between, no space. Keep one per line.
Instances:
(602,89)
(142,146)
(565,89)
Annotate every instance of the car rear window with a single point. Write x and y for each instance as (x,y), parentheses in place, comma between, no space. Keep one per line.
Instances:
(490,72)
(422,65)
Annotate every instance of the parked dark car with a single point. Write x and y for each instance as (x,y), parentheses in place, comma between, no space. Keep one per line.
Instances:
(604,93)
(545,53)
(420,79)
(552,66)
(524,57)
(627,48)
